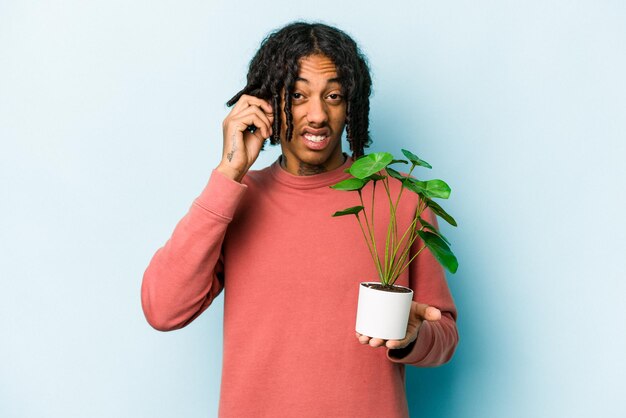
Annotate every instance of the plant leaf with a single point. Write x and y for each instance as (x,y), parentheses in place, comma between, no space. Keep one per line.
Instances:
(432,228)
(440,250)
(438,210)
(415,186)
(375,177)
(395,174)
(428,188)
(415,159)
(437,188)
(350,184)
(394,161)
(354,210)
(370,164)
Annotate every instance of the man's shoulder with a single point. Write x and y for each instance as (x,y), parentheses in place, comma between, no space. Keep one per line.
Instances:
(259,177)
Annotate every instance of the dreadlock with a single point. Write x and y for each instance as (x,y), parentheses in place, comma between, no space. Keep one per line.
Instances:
(274,69)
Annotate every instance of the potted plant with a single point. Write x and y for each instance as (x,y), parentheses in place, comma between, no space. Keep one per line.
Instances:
(383,307)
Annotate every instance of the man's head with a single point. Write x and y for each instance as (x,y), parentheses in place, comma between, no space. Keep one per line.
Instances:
(275,72)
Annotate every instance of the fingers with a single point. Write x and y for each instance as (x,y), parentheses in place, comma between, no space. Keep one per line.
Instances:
(397,344)
(378,342)
(254,116)
(373,342)
(363,339)
(249,111)
(429,313)
(241,146)
(419,312)
(246,101)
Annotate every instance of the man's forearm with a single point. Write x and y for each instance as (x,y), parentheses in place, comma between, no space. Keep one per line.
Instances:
(183,277)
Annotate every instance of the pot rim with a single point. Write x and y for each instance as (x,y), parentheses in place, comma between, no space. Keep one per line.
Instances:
(378,290)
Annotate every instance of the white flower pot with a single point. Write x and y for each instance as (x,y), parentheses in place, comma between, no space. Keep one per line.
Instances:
(382,314)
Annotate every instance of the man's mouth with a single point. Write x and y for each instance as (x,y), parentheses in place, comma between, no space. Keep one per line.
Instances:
(315,138)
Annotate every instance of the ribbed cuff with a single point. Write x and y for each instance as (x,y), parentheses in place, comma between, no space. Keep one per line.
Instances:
(419,349)
(221,195)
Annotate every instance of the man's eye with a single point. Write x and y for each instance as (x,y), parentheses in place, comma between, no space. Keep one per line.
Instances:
(335,96)
(296,96)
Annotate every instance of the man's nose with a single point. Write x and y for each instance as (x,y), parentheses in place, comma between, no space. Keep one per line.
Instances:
(317,112)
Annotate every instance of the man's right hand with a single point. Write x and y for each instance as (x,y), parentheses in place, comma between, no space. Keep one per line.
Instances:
(241,147)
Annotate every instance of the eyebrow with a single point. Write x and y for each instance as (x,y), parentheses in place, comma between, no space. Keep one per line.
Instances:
(330,80)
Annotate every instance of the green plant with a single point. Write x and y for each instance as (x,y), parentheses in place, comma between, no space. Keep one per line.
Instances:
(396,257)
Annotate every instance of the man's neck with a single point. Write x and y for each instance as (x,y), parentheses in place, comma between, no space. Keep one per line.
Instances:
(305,169)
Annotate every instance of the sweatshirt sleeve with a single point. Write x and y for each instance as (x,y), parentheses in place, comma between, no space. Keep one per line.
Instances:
(436,341)
(186,274)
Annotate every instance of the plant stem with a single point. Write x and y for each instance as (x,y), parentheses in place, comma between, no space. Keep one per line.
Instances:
(402,188)
(365,236)
(392,232)
(405,248)
(382,271)
(372,238)
(404,254)
(412,237)
(411,260)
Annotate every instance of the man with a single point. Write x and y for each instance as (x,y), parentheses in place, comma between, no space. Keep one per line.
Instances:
(289,270)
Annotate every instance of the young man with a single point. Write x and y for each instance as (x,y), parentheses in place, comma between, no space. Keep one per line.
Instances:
(289,270)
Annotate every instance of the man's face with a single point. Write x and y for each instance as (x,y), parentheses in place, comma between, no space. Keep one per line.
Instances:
(318,111)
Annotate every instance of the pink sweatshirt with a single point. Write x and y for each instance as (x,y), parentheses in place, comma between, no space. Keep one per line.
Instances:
(290,274)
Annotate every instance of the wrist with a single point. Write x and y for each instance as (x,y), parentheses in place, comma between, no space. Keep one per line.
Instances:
(398,353)
(230,172)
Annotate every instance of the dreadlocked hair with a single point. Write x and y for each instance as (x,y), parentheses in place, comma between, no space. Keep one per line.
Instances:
(274,70)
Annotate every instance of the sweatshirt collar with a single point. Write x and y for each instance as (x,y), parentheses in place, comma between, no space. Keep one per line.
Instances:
(310,182)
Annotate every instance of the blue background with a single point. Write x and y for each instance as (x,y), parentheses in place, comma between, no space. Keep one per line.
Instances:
(110,124)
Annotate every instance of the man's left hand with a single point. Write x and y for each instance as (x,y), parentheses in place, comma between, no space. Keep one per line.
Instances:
(419,313)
